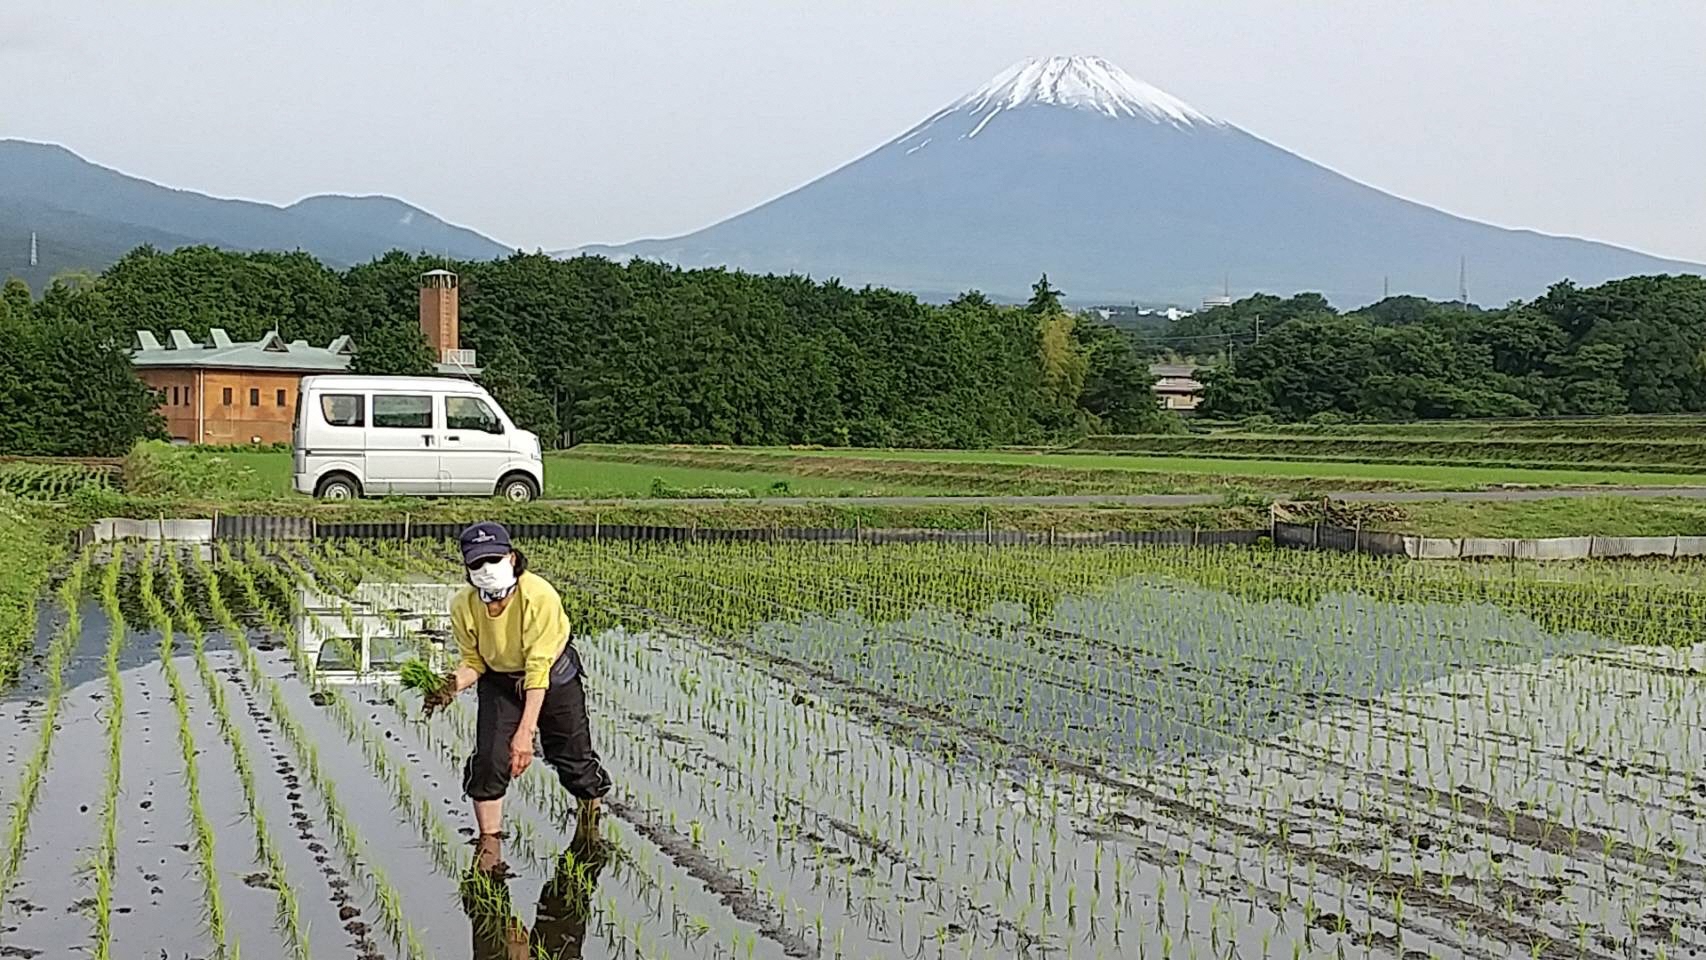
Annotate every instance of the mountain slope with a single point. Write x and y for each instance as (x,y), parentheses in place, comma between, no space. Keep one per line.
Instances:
(85,216)
(1120,192)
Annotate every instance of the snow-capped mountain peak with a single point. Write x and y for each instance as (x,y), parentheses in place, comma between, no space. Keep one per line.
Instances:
(1081,83)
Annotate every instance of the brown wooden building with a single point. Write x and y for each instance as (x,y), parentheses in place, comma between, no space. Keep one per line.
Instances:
(229,392)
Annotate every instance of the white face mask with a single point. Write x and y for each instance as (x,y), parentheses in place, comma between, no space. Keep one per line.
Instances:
(494,577)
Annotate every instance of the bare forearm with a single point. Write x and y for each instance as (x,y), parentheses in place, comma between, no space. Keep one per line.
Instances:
(532,703)
(465,677)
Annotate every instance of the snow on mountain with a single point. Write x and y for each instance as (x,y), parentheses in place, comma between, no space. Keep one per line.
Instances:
(1081,83)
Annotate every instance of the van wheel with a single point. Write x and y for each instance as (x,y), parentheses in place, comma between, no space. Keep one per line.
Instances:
(517,488)
(338,486)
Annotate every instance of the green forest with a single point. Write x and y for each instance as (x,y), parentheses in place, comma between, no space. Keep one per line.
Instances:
(1636,345)
(592,350)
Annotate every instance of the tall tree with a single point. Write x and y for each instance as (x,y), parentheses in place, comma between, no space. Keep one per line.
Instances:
(394,350)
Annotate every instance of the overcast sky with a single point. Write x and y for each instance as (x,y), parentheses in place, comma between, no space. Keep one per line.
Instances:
(551,123)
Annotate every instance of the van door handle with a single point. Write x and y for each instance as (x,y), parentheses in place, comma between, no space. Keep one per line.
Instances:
(454,438)
(428,438)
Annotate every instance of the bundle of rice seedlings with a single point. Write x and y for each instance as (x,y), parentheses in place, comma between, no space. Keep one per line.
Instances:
(417,676)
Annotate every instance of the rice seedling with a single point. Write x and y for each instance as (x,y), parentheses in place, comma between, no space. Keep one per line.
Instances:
(213,903)
(106,858)
(35,768)
(416,675)
(289,914)
(29,480)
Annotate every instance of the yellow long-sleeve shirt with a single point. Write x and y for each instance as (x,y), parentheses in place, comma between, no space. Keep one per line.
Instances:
(527,637)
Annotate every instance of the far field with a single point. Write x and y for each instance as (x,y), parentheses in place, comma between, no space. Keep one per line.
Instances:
(603,471)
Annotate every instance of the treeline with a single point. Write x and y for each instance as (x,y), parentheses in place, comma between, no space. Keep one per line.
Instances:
(592,350)
(65,390)
(1629,346)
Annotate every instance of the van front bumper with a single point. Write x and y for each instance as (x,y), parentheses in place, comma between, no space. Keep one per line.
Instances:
(303,482)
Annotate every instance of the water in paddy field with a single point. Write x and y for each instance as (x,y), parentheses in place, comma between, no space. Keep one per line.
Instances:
(1147,770)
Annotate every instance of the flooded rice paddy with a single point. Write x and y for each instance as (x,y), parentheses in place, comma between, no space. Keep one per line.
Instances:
(907,751)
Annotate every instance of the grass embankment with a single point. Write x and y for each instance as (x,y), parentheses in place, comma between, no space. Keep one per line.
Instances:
(622,472)
(155,468)
(1092,472)
(1628,427)
(183,482)
(1576,456)
(1553,517)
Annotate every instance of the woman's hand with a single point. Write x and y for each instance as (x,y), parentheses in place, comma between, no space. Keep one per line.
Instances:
(520,751)
(448,688)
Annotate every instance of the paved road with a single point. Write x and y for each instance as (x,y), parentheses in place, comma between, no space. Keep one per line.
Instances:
(1162,499)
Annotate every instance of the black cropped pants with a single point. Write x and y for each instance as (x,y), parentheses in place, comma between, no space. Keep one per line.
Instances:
(565,737)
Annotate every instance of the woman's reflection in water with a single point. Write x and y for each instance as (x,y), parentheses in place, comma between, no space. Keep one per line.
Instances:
(559,925)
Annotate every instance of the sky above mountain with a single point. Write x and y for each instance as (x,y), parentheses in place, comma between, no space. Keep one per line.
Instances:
(550,124)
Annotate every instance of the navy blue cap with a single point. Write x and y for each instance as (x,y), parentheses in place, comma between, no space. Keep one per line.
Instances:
(482,540)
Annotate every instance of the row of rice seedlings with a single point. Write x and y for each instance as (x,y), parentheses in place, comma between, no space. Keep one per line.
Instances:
(106,858)
(1390,746)
(213,904)
(35,768)
(856,778)
(345,835)
(751,807)
(49,481)
(773,745)
(289,916)
(888,807)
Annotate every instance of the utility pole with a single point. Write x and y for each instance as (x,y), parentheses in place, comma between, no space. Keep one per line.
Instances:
(33,259)
(1463,281)
(1385,287)
(1258,328)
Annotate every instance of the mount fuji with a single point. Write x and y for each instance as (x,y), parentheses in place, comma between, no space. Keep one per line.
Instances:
(1122,192)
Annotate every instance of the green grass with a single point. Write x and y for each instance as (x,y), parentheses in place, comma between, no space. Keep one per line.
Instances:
(1556,517)
(568,476)
(1432,475)
(597,472)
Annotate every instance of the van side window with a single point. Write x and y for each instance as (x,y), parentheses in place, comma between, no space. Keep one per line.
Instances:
(470,413)
(343,409)
(403,412)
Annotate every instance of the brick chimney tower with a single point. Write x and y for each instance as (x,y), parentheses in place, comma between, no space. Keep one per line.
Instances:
(438,313)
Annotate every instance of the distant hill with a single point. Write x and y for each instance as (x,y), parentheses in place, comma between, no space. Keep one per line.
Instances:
(85,216)
(1122,192)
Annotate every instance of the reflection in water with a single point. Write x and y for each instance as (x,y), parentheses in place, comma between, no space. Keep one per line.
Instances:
(565,903)
(362,637)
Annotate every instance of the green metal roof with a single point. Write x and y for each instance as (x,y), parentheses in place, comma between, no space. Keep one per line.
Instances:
(270,352)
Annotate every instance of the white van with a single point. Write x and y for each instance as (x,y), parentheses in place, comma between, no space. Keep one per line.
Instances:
(422,436)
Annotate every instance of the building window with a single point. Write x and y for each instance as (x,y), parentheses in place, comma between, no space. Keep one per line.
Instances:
(174,396)
(186,396)
(254,397)
(228,396)
(403,412)
(281,398)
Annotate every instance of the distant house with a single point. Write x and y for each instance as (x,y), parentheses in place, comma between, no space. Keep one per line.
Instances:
(1176,385)
(228,392)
